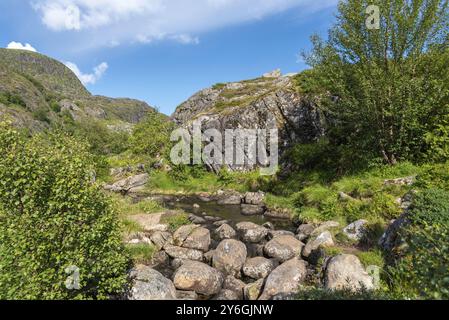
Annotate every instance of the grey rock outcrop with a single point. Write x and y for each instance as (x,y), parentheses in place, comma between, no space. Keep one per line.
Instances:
(284,248)
(150,284)
(198,277)
(229,257)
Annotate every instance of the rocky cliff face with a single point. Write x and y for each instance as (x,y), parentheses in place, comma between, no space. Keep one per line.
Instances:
(36,90)
(268,102)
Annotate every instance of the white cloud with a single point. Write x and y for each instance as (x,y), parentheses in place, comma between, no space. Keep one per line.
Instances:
(20,46)
(145,21)
(88,78)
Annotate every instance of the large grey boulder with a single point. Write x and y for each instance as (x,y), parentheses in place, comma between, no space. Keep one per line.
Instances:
(322,241)
(255,198)
(198,277)
(251,232)
(198,239)
(258,267)
(284,247)
(356,230)
(131,184)
(345,271)
(149,284)
(161,238)
(285,279)
(304,231)
(276,233)
(183,253)
(252,210)
(392,239)
(229,198)
(225,231)
(229,257)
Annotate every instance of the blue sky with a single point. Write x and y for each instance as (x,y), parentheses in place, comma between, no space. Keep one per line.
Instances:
(163,51)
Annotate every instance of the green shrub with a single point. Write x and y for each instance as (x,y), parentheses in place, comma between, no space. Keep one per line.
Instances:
(151,137)
(53,217)
(423,269)
(41,114)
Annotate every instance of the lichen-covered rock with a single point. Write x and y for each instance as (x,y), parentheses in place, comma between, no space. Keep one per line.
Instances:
(356,230)
(229,198)
(251,232)
(285,279)
(252,210)
(182,233)
(284,248)
(229,257)
(225,231)
(198,239)
(160,239)
(276,233)
(325,226)
(198,277)
(183,253)
(345,271)
(323,240)
(130,184)
(258,267)
(253,290)
(304,231)
(149,284)
(227,295)
(186,295)
(234,285)
(255,198)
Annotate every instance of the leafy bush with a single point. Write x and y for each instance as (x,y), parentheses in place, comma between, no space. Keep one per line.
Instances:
(151,137)
(53,217)
(41,114)
(423,269)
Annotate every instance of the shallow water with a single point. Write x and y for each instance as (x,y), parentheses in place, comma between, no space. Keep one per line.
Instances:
(232,213)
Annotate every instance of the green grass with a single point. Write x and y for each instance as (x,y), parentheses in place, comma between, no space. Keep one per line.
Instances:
(371,258)
(141,253)
(176,221)
(126,207)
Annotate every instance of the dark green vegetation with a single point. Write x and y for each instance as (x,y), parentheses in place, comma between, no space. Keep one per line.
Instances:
(53,217)
(39,92)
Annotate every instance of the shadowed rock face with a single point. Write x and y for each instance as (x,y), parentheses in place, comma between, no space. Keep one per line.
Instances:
(263,103)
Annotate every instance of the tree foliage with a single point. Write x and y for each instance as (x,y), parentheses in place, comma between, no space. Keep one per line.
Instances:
(52,216)
(385,90)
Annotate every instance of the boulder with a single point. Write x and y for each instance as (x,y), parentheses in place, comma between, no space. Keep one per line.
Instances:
(304,231)
(181,234)
(255,198)
(234,285)
(276,233)
(251,232)
(183,253)
(198,277)
(208,256)
(220,223)
(161,238)
(284,248)
(252,210)
(229,198)
(255,249)
(258,267)
(285,279)
(356,230)
(227,295)
(186,295)
(406,181)
(131,184)
(253,290)
(199,239)
(149,284)
(196,219)
(229,257)
(225,231)
(392,239)
(268,225)
(325,226)
(323,240)
(150,222)
(345,271)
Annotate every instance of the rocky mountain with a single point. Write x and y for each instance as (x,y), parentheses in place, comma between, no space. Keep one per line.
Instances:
(268,102)
(36,91)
